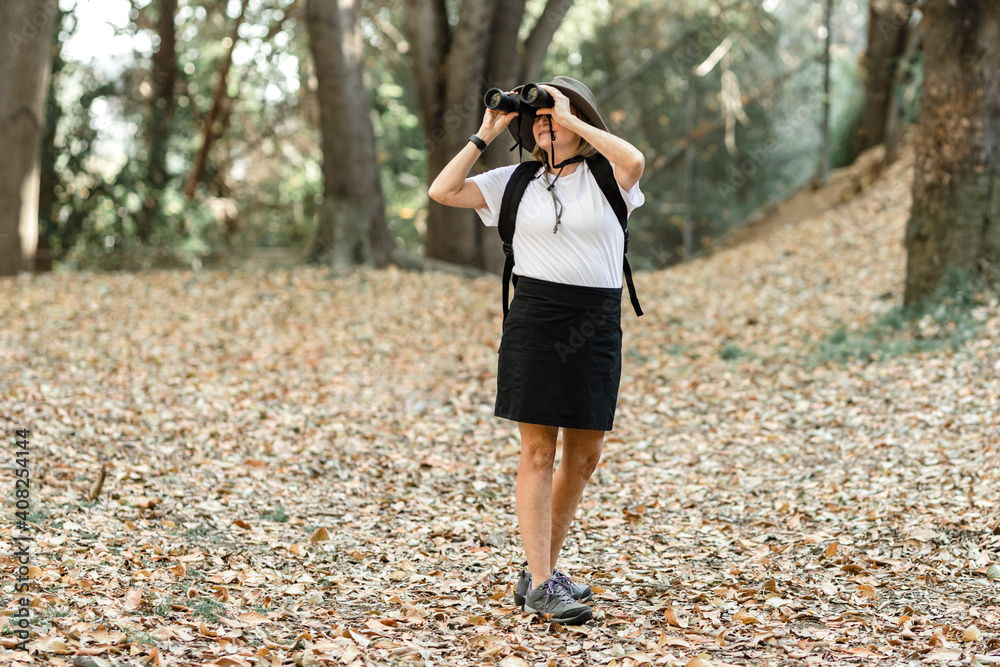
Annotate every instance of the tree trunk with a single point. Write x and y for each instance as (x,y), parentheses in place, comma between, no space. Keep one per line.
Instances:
(453,67)
(48,203)
(888,27)
(955,219)
(689,157)
(823,169)
(25,56)
(904,84)
(161,114)
(352,228)
(215,110)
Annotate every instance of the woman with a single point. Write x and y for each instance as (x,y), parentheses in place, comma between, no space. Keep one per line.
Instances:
(560,354)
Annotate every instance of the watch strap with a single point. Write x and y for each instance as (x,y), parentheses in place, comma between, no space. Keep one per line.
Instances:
(479,143)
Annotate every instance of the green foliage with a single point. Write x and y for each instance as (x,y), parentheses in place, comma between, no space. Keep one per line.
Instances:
(908,94)
(263,183)
(846,109)
(402,147)
(277,515)
(642,52)
(262,180)
(946,320)
(164,606)
(731,351)
(206,608)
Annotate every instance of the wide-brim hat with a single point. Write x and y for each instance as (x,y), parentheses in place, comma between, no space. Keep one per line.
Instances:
(579,96)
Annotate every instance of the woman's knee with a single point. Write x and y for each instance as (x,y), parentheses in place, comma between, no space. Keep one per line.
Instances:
(581,464)
(582,453)
(538,446)
(538,454)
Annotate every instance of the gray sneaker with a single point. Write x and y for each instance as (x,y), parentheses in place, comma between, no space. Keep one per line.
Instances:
(552,601)
(580,592)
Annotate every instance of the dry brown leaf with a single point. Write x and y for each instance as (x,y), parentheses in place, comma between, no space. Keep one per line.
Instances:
(745,618)
(514,661)
(319,535)
(133,599)
(256,406)
(671,617)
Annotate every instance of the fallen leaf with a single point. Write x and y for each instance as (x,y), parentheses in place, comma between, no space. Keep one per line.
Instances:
(671,618)
(745,618)
(319,535)
(514,661)
(133,599)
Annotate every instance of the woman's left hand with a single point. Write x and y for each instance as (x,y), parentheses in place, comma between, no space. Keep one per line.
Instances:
(561,112)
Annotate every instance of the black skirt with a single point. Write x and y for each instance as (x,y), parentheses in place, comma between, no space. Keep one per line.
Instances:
(561,355)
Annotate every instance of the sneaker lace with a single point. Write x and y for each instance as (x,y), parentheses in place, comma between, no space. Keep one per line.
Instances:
(559,586)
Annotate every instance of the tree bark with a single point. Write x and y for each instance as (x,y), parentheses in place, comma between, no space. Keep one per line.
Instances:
(823,169)
(161,115)
(47,200)
(452,68)
(352,228)
(888,28)
(690,116)
(955,219)
(903,85)
(214,111)
(25,57)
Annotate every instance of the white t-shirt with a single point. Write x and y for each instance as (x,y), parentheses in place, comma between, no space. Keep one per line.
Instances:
(588,248)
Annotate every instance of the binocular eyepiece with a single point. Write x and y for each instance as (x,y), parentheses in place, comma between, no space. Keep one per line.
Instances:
(531,96)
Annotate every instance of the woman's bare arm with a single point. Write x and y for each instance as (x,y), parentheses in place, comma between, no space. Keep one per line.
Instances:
(627,159)
(452,187)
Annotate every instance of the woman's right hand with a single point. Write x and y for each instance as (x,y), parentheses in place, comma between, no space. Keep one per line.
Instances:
(494,124)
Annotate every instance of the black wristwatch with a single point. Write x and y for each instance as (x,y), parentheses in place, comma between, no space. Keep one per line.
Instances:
(479,143)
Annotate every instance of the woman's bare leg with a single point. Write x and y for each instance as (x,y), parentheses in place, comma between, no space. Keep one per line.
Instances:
(581,452)
(534,497)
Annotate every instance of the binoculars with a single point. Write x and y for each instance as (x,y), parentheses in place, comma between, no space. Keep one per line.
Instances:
(531,97)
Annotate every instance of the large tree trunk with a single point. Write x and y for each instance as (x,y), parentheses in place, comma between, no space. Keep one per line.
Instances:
(955,219)
(25,56)
(161,113)
(352,228)
(888,22)
(48,203)
(453,66)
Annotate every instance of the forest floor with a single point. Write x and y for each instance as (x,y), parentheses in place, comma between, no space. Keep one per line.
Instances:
(305,470)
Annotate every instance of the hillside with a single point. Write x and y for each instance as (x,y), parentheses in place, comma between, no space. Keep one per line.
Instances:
(305,470)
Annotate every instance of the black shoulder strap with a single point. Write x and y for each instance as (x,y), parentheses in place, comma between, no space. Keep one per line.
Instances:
(512,195)
(605,177)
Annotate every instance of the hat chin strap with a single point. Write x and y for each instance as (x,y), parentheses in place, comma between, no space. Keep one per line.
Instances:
(550,156)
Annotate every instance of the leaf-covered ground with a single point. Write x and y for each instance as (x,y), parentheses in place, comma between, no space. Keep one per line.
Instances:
(305,470)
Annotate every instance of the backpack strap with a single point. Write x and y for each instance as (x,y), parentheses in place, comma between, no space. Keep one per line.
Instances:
(605,177)
(512,195)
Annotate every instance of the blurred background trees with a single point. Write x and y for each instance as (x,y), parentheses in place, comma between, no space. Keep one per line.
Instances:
(190,132)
